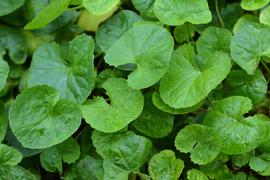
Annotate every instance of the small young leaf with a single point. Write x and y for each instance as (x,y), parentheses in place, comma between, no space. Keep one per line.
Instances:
(202,142)
(165,166)
(261,164)
(190,78)
(152,122)
(147,45)
(70,71)
(177,12)
(265,16)
(44,120)
(126,105)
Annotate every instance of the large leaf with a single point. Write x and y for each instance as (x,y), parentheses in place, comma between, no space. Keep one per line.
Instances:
(9,155)
(9,6)
(14,41)
(177,12)
(68,151)
(190,78)
(153,122)
(125,106)
(253,4)
(147,45)
(165,166)
(99,7)
(70,71)
(126,150)
(240,83)
(250,43)
(44,120)
(238,134)
(202,142)
(109,32)
(4,70)
(54,9)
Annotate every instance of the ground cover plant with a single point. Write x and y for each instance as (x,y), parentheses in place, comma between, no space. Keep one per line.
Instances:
(134,89)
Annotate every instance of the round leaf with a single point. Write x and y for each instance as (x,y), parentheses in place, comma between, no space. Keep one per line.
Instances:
(250,43)
(152,122)
(165,166)
(126,150)
(70,71)
(177,12)
(238,134)
(190,79)
(109,32)
(99,7)
(125,106)
(202,142)
(44,120)
(147,45)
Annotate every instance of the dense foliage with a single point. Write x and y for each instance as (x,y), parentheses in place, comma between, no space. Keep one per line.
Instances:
(134,89)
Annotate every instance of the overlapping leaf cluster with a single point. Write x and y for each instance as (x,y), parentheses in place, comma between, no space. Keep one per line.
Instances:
(134,89)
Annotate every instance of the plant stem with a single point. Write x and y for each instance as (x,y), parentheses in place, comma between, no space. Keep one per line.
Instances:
(218,14)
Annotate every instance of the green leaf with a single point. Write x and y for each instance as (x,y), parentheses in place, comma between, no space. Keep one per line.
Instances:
(109,32)
(54,9)
(147,45)
(153,122)
(177,12)
(9,155)
(70,71)
(158,102)
(14,41)
(145,7)
(99,7)
(184,33)
(111,171)
(240,83)
(213,39)
(3,121)
(190,78)
(249,43)
(126,150)
(16,173)
(241,160)
(9,6)
(265,16)
(253,4)
(165,166)
(238,134)
(202,142)
(68,151)
(37,123)
(125,106)
(4,71)
(261,164)
(84,169)
(215,170)
(195,174)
